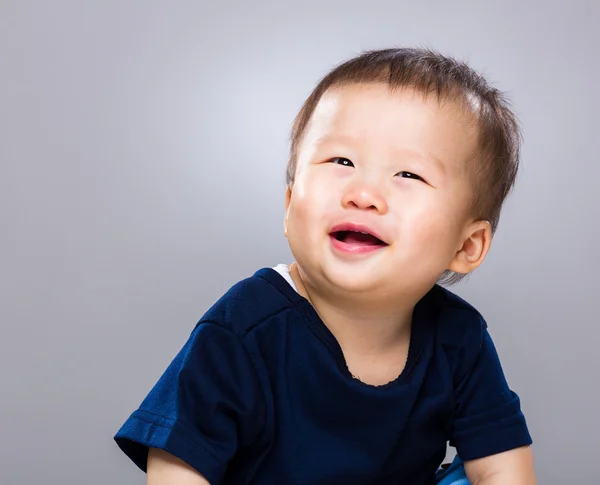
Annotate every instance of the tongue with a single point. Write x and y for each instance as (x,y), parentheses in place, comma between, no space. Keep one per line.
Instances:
(359,238)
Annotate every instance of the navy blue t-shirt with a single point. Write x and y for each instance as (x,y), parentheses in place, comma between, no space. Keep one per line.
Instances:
(261,394)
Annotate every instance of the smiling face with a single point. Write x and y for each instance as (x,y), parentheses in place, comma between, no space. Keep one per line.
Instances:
(379,204)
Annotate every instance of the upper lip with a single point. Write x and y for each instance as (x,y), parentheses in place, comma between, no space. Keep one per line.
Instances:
(354,227)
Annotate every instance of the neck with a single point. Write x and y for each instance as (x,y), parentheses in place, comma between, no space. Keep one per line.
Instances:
(364,326)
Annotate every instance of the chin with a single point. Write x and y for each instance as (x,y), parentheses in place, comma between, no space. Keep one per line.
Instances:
(355,278)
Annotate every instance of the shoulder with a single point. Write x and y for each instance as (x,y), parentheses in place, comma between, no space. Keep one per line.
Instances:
(460,328)
(456,318)
(250,302)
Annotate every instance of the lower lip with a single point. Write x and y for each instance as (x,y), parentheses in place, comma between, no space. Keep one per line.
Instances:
(355,248)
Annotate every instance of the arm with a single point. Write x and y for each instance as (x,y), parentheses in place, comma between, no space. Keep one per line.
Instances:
(165,469)
(206,407)
(514,467)
(489,430)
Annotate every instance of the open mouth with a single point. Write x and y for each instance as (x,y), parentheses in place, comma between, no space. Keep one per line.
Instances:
(357,238)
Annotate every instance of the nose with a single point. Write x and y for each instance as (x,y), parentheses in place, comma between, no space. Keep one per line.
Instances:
(365,197)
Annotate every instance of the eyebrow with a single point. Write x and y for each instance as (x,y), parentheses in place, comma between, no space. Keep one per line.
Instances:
(426,158)
(339,138)
(429,157)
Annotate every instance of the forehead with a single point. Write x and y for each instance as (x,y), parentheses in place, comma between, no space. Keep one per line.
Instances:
(370,116)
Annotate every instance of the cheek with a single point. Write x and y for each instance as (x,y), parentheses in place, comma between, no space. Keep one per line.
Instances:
(311,200)
(302,214)
(431,224)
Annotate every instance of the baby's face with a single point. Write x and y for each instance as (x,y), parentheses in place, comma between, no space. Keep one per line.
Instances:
(389,165)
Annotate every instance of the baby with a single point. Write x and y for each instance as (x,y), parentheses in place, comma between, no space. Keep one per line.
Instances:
(353,365)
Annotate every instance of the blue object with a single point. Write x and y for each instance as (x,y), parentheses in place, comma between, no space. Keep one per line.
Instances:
(453,475)
(261,394)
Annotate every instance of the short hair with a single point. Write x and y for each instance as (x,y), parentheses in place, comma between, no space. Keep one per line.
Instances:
(493,169)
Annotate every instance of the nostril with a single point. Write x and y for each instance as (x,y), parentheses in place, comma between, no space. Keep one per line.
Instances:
(363,204)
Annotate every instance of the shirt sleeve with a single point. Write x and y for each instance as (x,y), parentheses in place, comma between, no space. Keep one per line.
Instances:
(488,418)
(206,405)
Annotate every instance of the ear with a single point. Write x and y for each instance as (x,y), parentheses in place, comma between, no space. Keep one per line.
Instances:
(475,247)
(288,198)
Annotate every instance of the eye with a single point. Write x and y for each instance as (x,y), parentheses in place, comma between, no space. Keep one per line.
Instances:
(410,175)
(342,161)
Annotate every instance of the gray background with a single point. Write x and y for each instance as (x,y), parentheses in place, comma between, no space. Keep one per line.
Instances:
(142,150)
